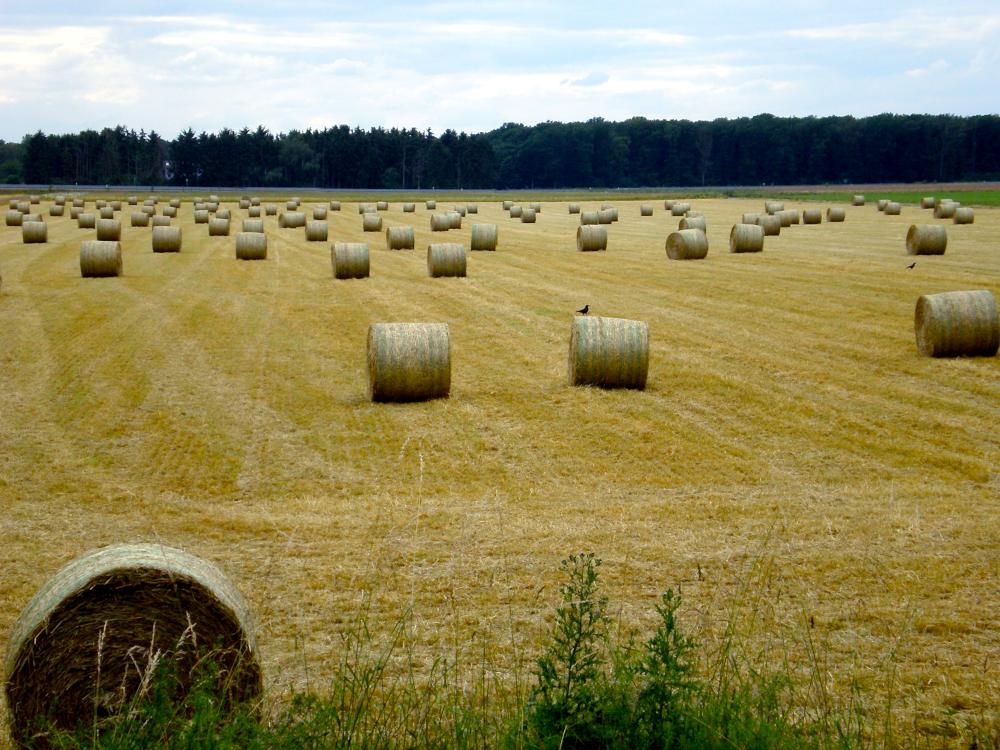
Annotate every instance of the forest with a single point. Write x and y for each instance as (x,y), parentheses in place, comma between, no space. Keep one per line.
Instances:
(638,152)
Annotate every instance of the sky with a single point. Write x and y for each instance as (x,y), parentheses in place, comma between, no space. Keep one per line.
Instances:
(474,66)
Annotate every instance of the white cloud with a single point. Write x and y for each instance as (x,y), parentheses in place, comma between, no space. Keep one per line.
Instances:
(938,66)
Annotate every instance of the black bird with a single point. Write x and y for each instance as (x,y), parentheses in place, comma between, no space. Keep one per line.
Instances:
(584,310)
(912,264)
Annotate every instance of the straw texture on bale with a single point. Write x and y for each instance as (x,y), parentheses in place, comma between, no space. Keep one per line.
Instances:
(253,212)
(772,207)
(292,220)
(835,214)
(408,361)
(319,213)
(445,259)
(536,207)
(430,205)
(31,217)
(86,220)
(382,205)
(79,203)
(591,238)
(645,210)
(460,210)
(149,210)
(371,223)
(892,209)
(528,216)
(174,203)
(785,217)
(590,217)
(170,211)
(116,205)
(244,203)
(350,260)
(317,231)
(99,258)
(440,222)
(668,204)
(218,227)
(409,208)
(484,237)
(679,209)
(606,216)
(945,210)
(687,244)
(364,208)
(472,208)
(140,219)
(927,201)
(793,216)
(693,222)
(516,211)
(608,352)
(161,221)
(99,204)
(400,238)
(858,200)
(506,205)
(166,239)
(964,215)
(74,213)
(746,238)
(957,324)
(201,216)
(812,216)
(133,200)
(13,218)
(574,208)
(34,231)
(253,225)
(213,199)
(926,239)
(109,229)
(56,209)
(223,213)
(882,203)
(334,205)
(270,210)
(291,205)
(251,246)
(141,599)
(771,225)
(456,219)
(36,199)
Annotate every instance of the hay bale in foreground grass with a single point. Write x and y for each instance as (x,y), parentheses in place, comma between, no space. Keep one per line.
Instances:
(957,324)
(693,222)
(505,205)
(350,260)
(136,600)
(99,258)
(334,205)
(679,209)
(445,259)
(472,208)
(964,215)
(57,209)
(170,212)
(528,216)
(749,218)
(140,219)
(772,207)
(812,216)
(606,216)
(109,229)
(858,200)
(687,244)
(430,205)
(574,208)
(456,219)
(218,227)
(400,238)
(317,231)
(892,208)
(34,232)
(460,210)
(835,214)
(161,221)
(645,210)
(319,213)
(926,239)
(440,222)
(253,225)
(251,246)
(590,217)
(516,211)
(484,237)
(371,223)
(882,203)
(409,208)
(746,238)
(945,210)
(14,218)
(608,352)
(771,224)
(382,205)
(253,212)
(591,238)
(86,220)
(166,239)
(201,216)
(270,210)
(292,220)
(408,361)
(927,202)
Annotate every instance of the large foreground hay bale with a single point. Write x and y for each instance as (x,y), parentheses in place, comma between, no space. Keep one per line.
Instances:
(645,210)
(608,352)
(80,646)
(528,216)
(371,223)
(746,238)
(350,260)
(835,214)
(400,238)
(590,217)
(292,220)
(440,222)
(317,231)
(892,208)
(484,237)
(166,239)
(409,361)
(693,222)
(99,258)
(253,225)
(34,231)
(964,215)
(812,216)
(771,224)
(13,218)
(591,238)
(86,220)
(140,219)
(251,246)
(687,244)
(445,259)
(926,239)
(109,229)
(957,324)
(218,227)
(945,210)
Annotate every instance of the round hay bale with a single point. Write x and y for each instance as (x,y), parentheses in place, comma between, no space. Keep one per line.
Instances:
(746,238)
(445,259)
(371,223)
(772,207)
(166,239)
(14,218)
(218,227)
(319,213)
(106,213)
(74,213)
(57,209)
(291,205)
(400,238)
(945,210)
(89,630)
(687,244)
(668,204)
(771,224)
(382,205)
(460,210)
(334,205)
(253,225)
(858,200)
(86,220)
(591,238)
(116,205)
(59,200)
(350,260)
(31,217)
(606,206)
(472,208)
(957,324)
(926,239)
(201,216)
(24,207)
(244,203)
(292,220)
(645,210)
(964,215)
(835,214)
(170,212)
(79,203)
(590,217)
(440,222)
(882,203)
(536,207)
(222,213)
(608,352)
(679,209)
(785,217)
(927,202)
(431,205)
(484,237)
(34,231)
(749,218)
(793,216)
(109,229)
(133,200)
(516,211)
(812,216)
(693,222)
(270,210)
(408,361)
(574,208)
(456,219)
(892,208)
(174,203)
(251,246)
(99,258)
(213,199)
(161,221)
(409,208)
(317,231)
(606,216)
(149,210)
(506,205)
(140,219)
(253,212)
(528,216)
(254,201)
(99,204)
(35,199)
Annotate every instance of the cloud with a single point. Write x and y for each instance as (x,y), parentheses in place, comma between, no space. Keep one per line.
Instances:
(592,79)
(937,66)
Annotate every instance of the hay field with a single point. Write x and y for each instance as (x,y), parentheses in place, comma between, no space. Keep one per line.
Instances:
(792,455)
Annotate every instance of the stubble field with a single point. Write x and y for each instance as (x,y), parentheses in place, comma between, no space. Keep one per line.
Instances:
(792,459)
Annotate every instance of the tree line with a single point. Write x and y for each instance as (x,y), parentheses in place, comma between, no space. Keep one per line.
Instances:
(598,153)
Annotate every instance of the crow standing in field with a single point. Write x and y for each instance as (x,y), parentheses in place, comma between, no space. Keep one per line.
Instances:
(585,309)
(912,264)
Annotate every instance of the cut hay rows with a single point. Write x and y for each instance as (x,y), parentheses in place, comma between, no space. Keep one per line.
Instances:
(687,244)
(409,361)
(350,260)
(926,239)
(608,352)
(484,237)
(251,246)
(98,258)
(400,238)
(166,239)
(957,324)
